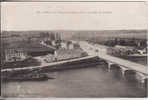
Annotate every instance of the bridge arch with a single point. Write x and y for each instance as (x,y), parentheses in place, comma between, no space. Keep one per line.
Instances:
(114,66)
(142,78)
(129,75)
(129,71)
(125,70)
(111,65)
(102,61)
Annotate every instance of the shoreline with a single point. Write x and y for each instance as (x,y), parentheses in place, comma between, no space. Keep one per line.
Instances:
(47,64)
(82,63)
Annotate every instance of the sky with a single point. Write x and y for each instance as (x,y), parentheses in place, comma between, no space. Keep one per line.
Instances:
(21,16)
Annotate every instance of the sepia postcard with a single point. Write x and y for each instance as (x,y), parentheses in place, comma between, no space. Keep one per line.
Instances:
(74,49)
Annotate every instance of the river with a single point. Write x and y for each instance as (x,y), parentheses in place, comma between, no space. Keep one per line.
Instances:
(93,81)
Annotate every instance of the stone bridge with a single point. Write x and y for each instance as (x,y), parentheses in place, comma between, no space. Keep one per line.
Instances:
(125,66)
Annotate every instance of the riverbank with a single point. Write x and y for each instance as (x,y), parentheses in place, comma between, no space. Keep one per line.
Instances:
(63,65)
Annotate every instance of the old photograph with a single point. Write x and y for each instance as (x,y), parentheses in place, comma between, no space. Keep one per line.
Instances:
(74,49)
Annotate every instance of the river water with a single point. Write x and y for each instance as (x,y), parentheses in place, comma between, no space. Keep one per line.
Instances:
(93,81)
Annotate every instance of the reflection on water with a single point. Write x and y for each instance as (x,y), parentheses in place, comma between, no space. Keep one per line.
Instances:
(94,81)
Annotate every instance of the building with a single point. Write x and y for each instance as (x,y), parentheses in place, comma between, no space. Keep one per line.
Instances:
(143,51)
(76,45)
(53,43)
(71,46)
(125,47)
(19,51)
(13,54)
(64,45)
(36,49)
(67,45)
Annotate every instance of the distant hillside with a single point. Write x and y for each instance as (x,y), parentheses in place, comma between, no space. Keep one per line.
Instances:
(68,34)
(137,34)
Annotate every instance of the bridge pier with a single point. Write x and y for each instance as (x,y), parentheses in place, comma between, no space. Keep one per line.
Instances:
(109,66)
(141,77)
(123,70)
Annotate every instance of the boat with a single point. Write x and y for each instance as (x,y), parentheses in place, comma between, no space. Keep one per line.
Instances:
(32,77)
